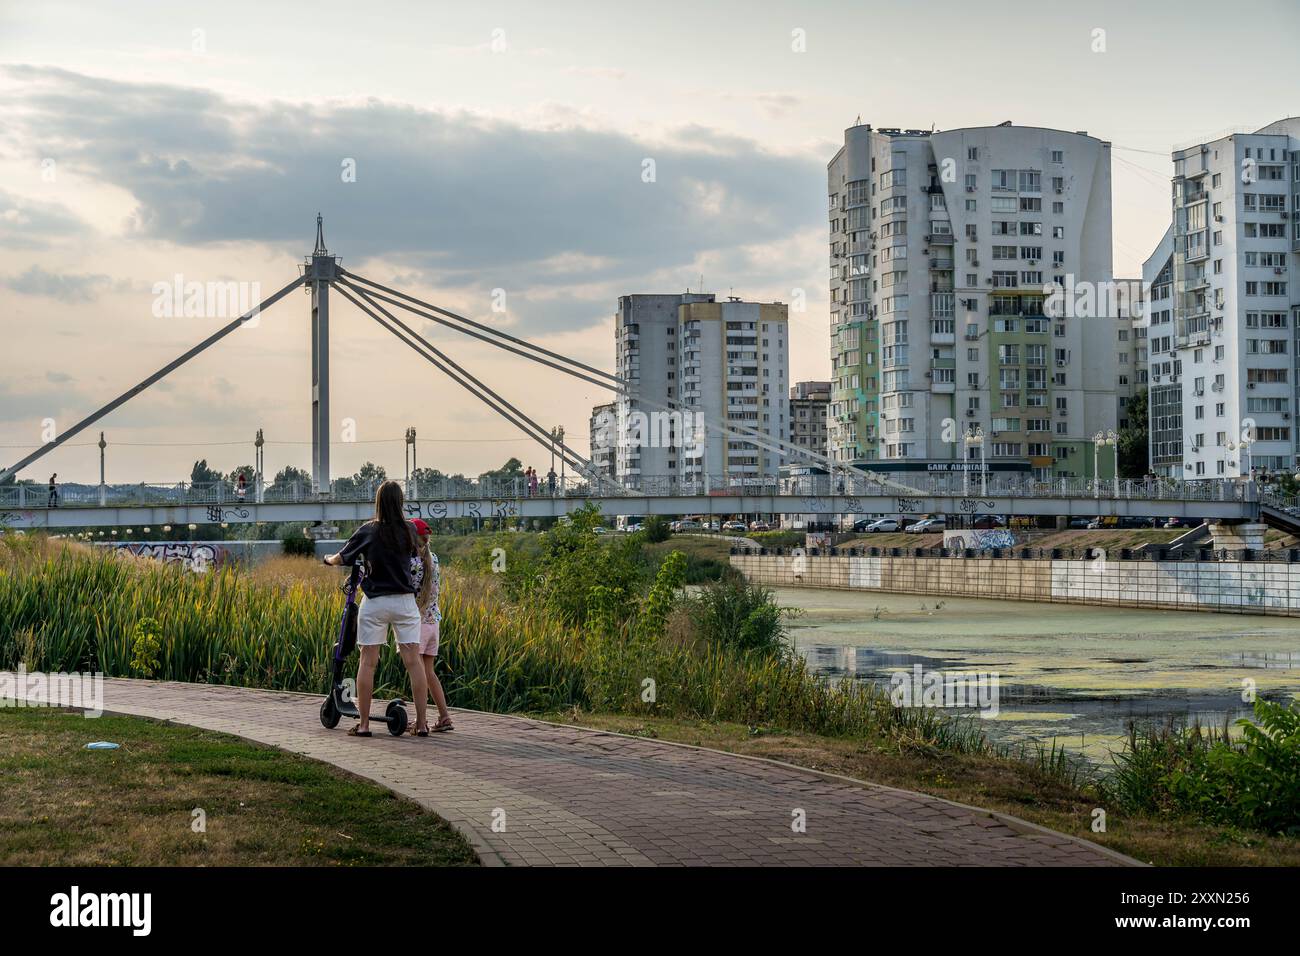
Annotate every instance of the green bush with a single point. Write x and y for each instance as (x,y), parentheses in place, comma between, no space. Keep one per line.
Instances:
(1253,782)
(656,529)
(736,614)
(295,542)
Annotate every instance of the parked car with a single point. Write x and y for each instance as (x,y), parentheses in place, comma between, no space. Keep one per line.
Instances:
(600,529)
(984,522)
(689,524)
(928,525)
(883,524)
(733,526)
(1081,522)
(759,526)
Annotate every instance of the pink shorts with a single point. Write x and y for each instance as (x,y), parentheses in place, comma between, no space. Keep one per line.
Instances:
(428,638)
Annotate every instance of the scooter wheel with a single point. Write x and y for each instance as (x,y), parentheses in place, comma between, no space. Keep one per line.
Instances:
(329,714)
(397,717)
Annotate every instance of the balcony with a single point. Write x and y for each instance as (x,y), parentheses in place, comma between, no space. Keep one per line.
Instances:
(939,238)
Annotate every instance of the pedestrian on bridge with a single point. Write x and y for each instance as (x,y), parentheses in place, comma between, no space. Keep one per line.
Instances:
(385,545)
(54,492)
(241,489)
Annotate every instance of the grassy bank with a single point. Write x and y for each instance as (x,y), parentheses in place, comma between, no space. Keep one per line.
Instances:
(63,805)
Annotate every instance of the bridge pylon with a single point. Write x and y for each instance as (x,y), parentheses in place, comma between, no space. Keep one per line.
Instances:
(322,269)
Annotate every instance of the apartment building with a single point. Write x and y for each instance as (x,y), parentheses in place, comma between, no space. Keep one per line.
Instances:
(809,402)
(693,363)
(603,432)
(1164,368)
(1226,356)
(966,268)
(1132,326)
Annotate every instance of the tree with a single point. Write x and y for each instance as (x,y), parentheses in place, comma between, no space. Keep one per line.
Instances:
(287,475)
(201,474)
(248,471)
(1134,439)
(514,468)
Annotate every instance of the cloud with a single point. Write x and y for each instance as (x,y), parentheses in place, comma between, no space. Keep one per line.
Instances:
(466,203)
(65,288)
(32,224)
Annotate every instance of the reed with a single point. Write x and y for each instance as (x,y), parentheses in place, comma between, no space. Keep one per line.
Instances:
(69,608)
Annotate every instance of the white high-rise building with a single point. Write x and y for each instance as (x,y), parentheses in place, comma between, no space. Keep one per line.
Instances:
(1225,309)
(945,248)
(694,363)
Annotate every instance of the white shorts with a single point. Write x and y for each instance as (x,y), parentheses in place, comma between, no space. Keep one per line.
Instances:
(377,613)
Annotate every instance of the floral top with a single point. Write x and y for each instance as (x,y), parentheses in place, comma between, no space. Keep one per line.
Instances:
(432,614)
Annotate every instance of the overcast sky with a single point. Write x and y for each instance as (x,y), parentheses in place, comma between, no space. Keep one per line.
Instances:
(502,146)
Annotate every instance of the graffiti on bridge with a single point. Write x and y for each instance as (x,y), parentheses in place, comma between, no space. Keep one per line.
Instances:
(971,505)
(908,505)
(494,508)
(218,514)
(197,557)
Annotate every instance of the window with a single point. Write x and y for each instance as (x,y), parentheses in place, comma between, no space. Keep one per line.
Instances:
(1058,155)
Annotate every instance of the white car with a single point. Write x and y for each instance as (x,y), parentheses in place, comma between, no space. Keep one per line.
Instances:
(927,526)
(883,524)
(688,525)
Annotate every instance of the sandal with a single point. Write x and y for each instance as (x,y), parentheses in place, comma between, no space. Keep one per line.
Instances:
(416,732)
(358,732)
(443,725)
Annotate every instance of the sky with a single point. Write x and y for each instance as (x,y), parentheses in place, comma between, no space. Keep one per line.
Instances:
(492,158)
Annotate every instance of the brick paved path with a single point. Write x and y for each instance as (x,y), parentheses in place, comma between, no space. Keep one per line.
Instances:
(572,796)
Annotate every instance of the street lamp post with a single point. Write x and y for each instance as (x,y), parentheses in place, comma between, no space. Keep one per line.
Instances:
(259,488)
(975,439)
(410,461)
(1100,441)
(103,490)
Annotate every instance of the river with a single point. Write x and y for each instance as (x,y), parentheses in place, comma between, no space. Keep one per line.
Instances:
(1071,673)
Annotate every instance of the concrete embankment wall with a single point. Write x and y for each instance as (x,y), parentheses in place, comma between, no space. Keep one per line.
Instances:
(1243,587)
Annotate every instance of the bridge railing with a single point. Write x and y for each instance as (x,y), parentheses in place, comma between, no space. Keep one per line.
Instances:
(945,485)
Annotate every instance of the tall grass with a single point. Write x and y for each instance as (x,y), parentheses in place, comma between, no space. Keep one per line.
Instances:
(66,608)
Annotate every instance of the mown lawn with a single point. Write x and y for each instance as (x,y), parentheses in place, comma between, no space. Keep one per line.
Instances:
(63,805)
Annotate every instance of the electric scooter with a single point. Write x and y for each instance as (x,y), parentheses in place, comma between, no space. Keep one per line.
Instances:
(339,703)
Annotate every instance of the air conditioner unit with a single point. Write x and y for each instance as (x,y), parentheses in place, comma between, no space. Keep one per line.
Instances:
(1033,262)
(970,189)
(1060,363)
(1250,384)
(1286,416)
(975,262)
(1059,191)
(970,413)
(1278,270)
(1218,219)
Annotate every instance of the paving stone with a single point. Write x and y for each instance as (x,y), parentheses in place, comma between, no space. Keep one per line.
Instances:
(578,797)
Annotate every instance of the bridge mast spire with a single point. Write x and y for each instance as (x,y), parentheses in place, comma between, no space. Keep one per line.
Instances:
(322,269)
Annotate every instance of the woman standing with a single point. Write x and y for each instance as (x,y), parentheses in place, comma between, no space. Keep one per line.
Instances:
(385,545)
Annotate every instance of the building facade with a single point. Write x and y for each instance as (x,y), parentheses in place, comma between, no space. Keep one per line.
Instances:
(809,403)
(1227,350)
(693,364)
(604,439)
(945,251)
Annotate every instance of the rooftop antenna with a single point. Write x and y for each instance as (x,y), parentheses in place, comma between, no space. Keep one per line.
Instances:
(320,249)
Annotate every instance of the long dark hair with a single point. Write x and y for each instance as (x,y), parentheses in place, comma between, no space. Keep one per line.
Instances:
(395,532)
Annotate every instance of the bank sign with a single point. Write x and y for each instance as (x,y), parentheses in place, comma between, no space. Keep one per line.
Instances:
(939,467)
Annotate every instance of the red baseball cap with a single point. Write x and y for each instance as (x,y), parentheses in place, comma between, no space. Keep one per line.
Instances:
(420,526)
